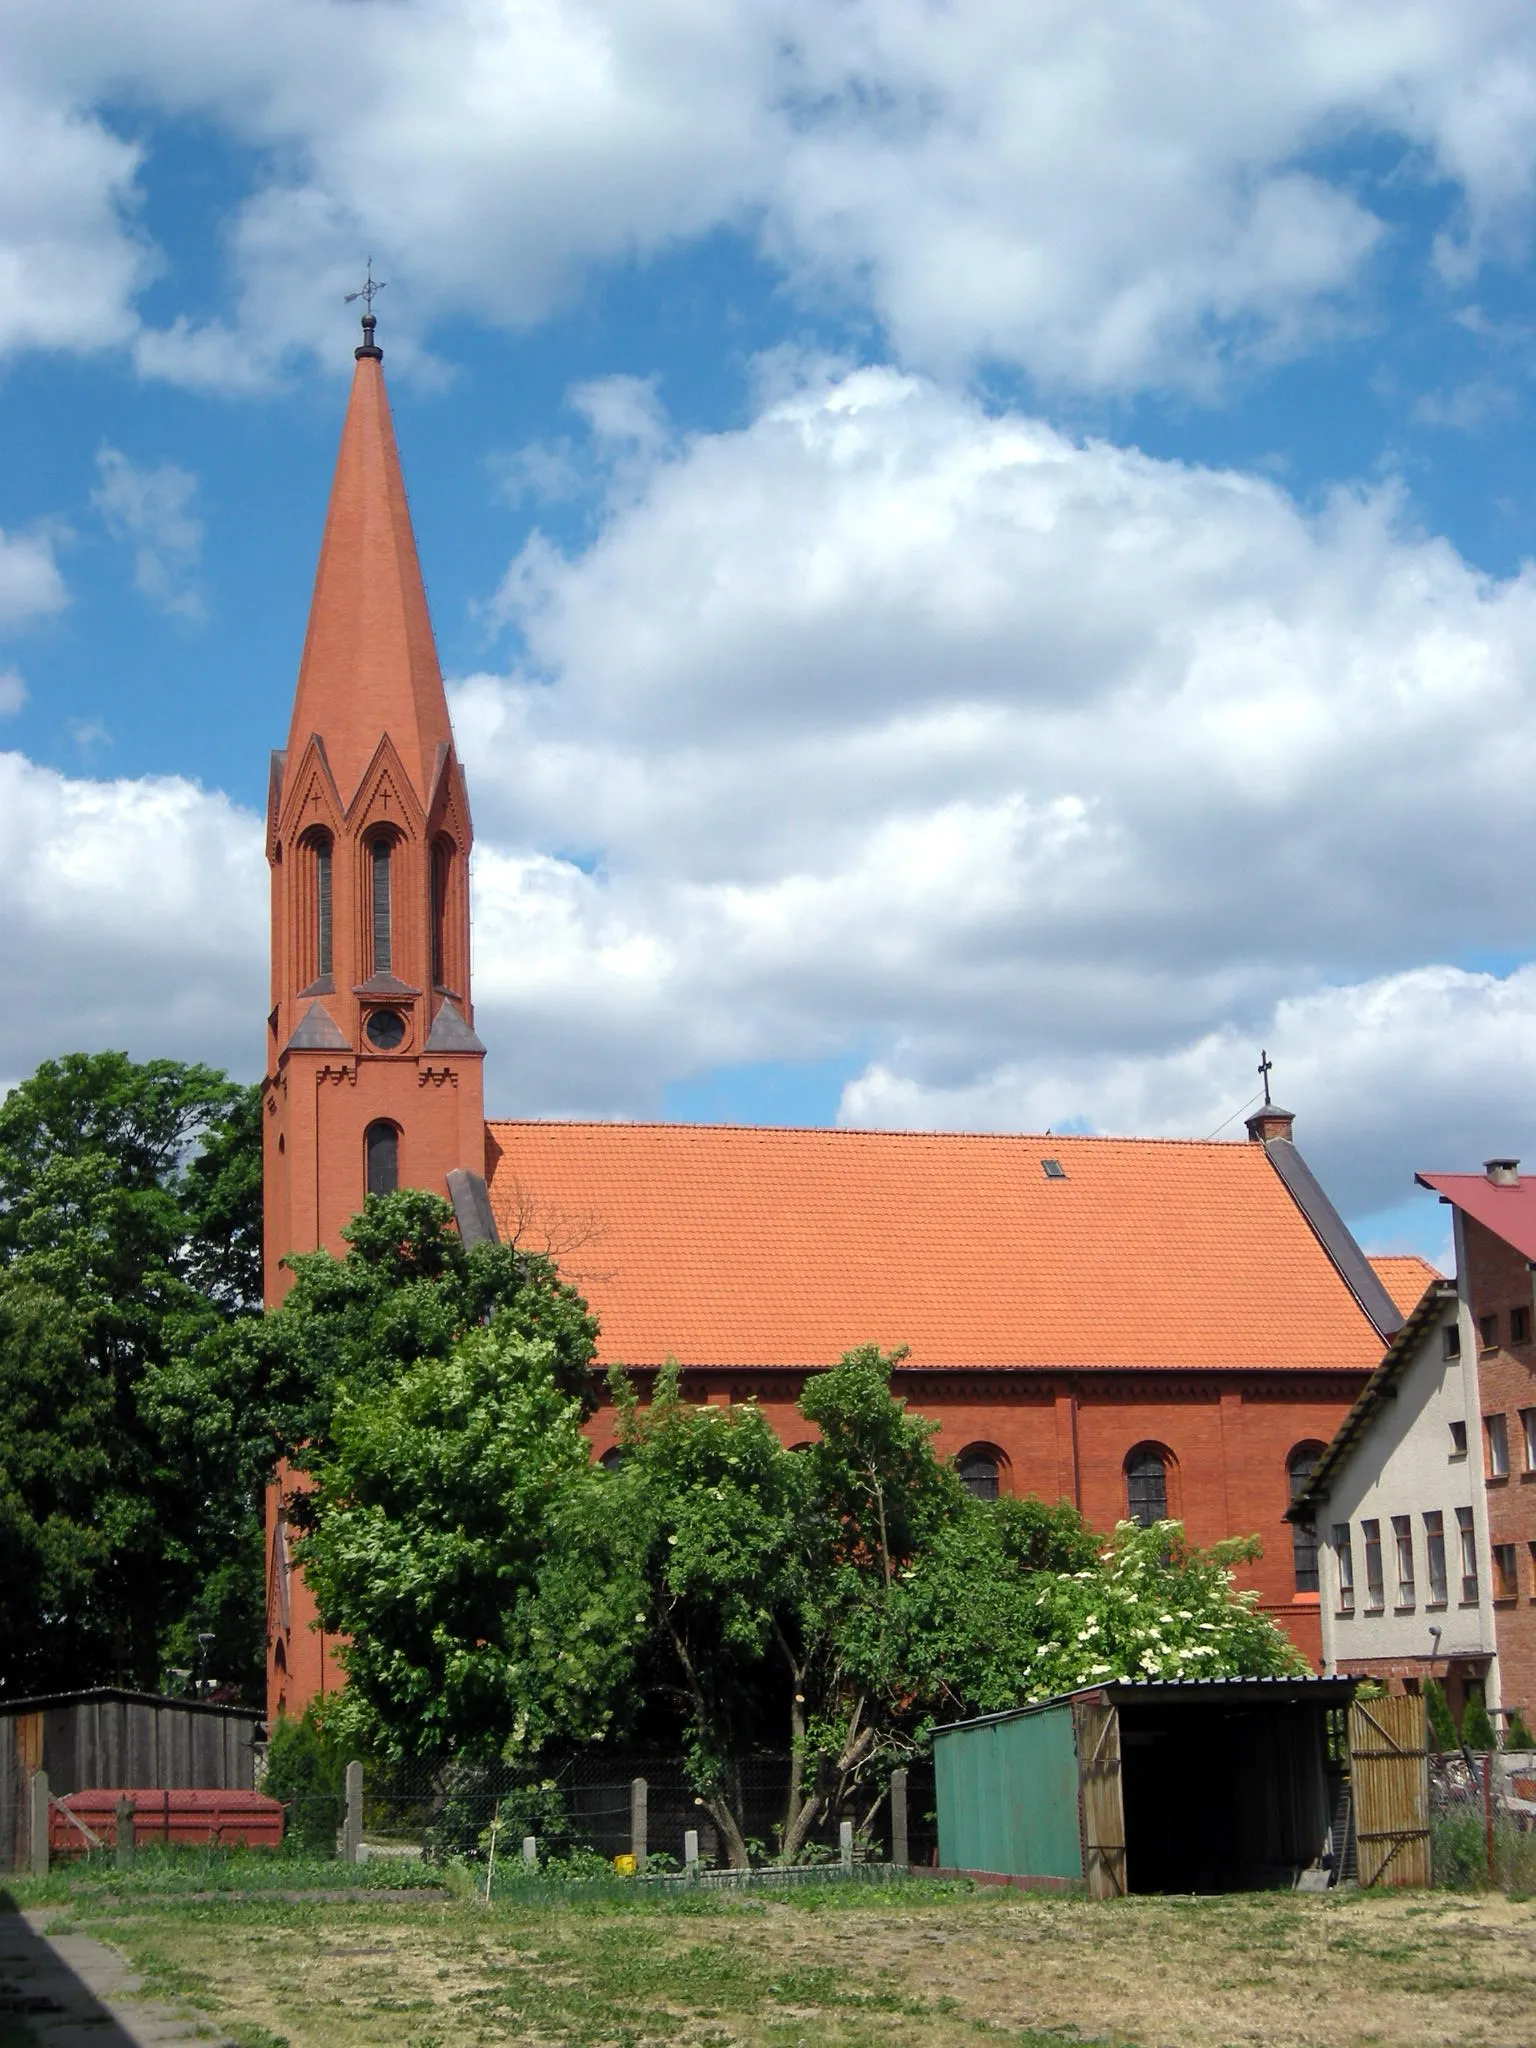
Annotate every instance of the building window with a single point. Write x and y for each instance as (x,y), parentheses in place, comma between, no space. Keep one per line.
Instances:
(1402,1543)
(322,907)
(442,874)
(381,1145)
(1344,1553)
(1496,1442)
(1146,1485)
(1450,1340)
(383,947)
(1528,1436)
(1375,1585)
(1434,1556)
(1299,1467)
(1468,1538)
(1488,1332)
(1506,1582)
(1458,1439)
(1519,1326)
(612,1458)
(978,1470)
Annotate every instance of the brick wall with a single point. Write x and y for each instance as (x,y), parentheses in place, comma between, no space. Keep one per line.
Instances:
(1497,1282)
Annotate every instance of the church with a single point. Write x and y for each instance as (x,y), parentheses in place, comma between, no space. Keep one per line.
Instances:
(1145,1327)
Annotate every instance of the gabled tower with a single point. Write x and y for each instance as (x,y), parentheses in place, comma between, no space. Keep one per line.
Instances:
(373,1066)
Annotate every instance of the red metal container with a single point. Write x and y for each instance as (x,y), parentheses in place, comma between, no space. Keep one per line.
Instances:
(187,1820)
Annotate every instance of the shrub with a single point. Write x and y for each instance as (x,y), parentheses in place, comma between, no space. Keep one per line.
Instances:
(306,1773)
(1442,1728)
(1516,1734)
(1476,1728)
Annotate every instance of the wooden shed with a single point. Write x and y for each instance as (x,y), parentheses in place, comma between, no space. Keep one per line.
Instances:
(1189,1786)
(109,1737)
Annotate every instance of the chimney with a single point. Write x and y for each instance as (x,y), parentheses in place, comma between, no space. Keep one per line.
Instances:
(1269,1123)
(1504,1173)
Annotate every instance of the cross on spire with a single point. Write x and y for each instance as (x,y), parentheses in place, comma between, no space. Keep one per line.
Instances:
(368,291)
(1266,1068)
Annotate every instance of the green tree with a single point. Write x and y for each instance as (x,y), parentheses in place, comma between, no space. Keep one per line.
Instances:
(460,1539)
(407,1289)
(124,1187)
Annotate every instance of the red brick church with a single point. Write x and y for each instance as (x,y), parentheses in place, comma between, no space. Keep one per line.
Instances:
(1143,1326)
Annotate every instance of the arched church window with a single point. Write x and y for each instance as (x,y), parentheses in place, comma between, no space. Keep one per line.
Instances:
(1299,1467)
(612,1458)
(379,854)
(381,1147)
(979,1470)
(1146,1484)
(442,873)
(322,905)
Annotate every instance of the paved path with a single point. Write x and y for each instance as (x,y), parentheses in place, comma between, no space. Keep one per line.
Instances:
(65,1990)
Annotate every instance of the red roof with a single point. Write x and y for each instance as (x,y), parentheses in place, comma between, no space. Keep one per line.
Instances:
(1509,1212)
(749,1246)
(1405,1276)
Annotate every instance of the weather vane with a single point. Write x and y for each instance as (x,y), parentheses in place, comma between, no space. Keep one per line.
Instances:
(1266,1068)
(368,292)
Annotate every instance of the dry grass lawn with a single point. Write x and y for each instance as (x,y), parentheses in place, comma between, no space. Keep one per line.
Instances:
(913,1966)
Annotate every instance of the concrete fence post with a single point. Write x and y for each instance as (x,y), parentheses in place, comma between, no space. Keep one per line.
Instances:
(531,1851)
(38,1818)
(123,1833)
(691,1852)
(845,1843)
(639,1813)
(899,1849)
(352,1825)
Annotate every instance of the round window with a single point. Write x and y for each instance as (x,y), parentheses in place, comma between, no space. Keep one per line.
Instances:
(386,1029)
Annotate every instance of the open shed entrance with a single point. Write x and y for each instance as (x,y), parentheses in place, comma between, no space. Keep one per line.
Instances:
(1223,1795)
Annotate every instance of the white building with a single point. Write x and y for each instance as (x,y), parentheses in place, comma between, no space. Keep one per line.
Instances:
(1399,1508)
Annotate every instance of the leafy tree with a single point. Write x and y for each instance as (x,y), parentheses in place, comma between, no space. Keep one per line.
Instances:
(1442,1723)
(1477,1725)
(307,1771)
(459,1537)
(407,1289)
(124,1188)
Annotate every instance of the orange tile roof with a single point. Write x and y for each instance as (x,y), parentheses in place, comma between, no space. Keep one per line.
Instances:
(750,1246)
(1405,1276)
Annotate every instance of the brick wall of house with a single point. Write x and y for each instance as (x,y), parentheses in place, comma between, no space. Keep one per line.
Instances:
(1497,1284)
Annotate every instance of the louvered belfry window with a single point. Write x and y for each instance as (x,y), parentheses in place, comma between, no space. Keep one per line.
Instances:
(442,856)
(322,907)
(383,962)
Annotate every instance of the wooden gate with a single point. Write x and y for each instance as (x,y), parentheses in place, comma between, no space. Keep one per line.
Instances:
(1389,1767)
(1097,1724)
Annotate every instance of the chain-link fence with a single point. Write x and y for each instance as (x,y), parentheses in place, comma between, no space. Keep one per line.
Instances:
(1482,1821)
(609,1806)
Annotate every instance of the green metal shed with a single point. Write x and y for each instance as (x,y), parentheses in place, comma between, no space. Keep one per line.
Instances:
(1205,1785)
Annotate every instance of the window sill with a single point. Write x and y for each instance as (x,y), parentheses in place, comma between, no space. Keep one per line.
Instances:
(1457,1458)
(1406,1607)
(1345,1614)
(1469,1603)
(1306,1599)
(1374,1613)
(1496,1479)
(1435,1606)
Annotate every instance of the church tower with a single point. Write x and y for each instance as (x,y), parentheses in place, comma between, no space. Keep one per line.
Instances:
(373,1067)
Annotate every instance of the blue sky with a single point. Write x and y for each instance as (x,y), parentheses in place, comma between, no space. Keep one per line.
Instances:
(979,552)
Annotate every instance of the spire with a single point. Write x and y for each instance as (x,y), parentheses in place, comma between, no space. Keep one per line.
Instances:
(370,663)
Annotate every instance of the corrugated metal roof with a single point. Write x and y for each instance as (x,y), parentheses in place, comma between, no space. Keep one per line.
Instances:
(1177,1692)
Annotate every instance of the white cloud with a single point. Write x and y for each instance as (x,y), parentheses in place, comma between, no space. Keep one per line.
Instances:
(151,509)
(133,915)
(1059,777)
(1109,192)
(31,586)
(13,693)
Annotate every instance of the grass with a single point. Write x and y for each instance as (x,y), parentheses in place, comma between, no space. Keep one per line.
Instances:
(914,1965)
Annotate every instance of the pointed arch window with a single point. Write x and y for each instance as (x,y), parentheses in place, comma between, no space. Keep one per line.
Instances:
(442,877)
(381,1148)
(380,853)
(322,905)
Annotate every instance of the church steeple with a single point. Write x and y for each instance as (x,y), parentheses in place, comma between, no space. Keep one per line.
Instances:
(370,661)
(373,1067)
